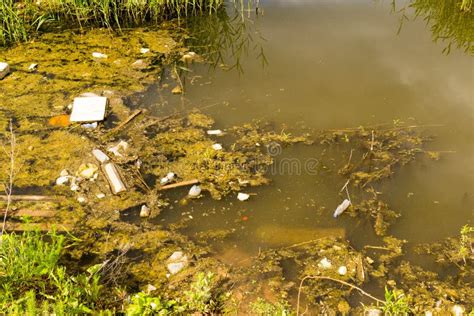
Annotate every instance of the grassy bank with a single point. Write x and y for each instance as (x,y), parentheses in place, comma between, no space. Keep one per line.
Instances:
(20,19)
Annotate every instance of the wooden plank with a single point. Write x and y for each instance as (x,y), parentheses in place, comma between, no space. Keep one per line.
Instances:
(179,184)
(28,198)
(20,227)
(33,213)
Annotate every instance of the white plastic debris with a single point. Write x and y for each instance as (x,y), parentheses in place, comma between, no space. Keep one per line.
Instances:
(4,70)
(121,146)
(88,109)
(217,146)
(144,211)
(194,191)
(168,178)
(62,180)
(342,270)
(114,179)
(144,50)
(74,185)
(90,125)
(33,67)
(243,196)
(100,195)
(176,262)
(216,132)
(325,263)
(100,155)
(342,207)
(81,199)
(99,55)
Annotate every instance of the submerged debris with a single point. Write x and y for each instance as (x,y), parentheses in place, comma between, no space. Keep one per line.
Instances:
(342,207)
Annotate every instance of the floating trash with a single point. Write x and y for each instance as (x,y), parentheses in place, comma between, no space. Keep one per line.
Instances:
(217,146)
(88,109)
(100,155)
(113,177)
(122,145)
(342,207)
(342,270)
(194,191)
(33,67)
(144,211)
(168,178)
(243,196)
(4,70)
(176,262)
(62,180)
(99,55)
(325,263)
(216,132)
(60,120)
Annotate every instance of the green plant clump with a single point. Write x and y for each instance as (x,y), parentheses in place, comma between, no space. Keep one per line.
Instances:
(19,19)
(32,279)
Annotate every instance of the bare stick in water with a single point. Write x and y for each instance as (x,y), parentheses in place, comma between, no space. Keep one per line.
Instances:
(335,280)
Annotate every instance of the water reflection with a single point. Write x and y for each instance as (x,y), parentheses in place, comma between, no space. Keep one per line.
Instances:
(451,21)
(224,38)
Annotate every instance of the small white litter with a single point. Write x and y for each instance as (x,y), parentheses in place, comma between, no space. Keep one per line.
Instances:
(62,180)
(100,155)
(99,55)
(168,178)
(243,196)
(113,177)
(64,173)
(4,70)
(194,191)
(176,262)
(325,263)
(88,109)
(144,211)
(342,270)
(100,195)
(122,145)
(90,125)
(216,132)
(217,147)
(144,50)
(81,199)
(342,207)
(33,67)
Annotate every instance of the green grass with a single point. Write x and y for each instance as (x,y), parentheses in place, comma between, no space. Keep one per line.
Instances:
(20,19)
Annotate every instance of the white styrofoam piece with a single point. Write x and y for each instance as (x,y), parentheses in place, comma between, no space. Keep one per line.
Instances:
(88,109)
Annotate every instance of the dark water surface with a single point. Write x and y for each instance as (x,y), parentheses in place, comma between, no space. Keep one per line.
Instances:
(336,64)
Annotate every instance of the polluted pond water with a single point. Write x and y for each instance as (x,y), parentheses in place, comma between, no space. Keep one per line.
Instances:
(232,180)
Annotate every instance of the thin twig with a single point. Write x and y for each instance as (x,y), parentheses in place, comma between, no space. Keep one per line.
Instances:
(335,280)
(11,175)
(345,185)
(372,142)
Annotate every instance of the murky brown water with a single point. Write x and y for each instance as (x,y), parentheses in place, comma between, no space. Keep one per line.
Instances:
(336,64)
